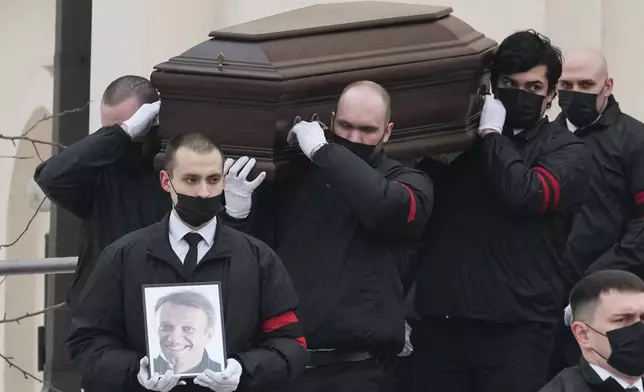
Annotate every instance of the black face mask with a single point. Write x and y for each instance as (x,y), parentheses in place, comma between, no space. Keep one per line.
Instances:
(523,109)
(579,108)
(195,211)
(365,152)
(627,349)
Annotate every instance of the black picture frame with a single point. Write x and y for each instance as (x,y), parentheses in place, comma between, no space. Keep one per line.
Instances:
(219,324)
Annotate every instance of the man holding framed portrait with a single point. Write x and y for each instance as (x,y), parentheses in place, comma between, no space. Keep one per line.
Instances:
(188,301)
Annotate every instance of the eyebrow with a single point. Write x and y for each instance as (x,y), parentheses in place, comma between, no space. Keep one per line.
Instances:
(626,313)
(187,175)
(361,127)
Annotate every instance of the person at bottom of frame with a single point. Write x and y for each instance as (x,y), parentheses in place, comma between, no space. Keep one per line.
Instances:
(264,341)
(186,325)
(608,325)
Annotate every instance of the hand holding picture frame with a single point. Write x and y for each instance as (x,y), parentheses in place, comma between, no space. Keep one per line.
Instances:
(184,328)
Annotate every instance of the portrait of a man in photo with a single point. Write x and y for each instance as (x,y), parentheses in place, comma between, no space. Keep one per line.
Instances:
(186,324)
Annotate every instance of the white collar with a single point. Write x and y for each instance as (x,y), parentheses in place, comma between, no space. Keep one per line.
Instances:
(571,127)
(605,375)
(519,130)
(178,229)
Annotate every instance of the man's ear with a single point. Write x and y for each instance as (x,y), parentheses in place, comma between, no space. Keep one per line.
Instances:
(551,97)
(210,333)
(164,178)
(388,130)
(580,331)
(608,89)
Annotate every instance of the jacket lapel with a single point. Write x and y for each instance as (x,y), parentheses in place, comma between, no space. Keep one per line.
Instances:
(595,382)
(160,248)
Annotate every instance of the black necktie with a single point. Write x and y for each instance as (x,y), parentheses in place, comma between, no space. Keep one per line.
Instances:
(190,262)
(632,389)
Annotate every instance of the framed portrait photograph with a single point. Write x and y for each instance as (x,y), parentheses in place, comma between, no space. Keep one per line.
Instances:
(184,328)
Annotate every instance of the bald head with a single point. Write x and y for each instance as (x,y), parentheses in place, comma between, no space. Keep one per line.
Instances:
(370,94)
(363,113)
(587,58)
(584,70)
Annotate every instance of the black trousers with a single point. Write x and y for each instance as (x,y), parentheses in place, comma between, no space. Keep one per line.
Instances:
(566,352)
(480,356)
(364,376)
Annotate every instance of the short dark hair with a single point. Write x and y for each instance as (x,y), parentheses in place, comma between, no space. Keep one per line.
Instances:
(584,297)
(129,86)
(194,141)
(378,89)
(524,50)
(192,299)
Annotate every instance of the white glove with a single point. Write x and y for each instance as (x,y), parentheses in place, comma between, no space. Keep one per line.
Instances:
(408,349)
(226,381)
(309,135)
(492,116)
(568,315)
(237,190)
(156,382)
(141,121)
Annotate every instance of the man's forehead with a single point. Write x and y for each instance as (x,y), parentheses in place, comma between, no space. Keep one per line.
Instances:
(536,74)
(189,161)
(169,308)
(580,71)
(362,104)
(616,302)
(584,64)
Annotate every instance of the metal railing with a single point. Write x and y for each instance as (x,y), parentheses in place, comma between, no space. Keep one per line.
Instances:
(51,265)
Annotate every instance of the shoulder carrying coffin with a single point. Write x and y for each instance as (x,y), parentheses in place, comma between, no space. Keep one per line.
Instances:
(246,84)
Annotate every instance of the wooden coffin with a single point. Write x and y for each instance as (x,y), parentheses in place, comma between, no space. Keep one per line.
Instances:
(246,84)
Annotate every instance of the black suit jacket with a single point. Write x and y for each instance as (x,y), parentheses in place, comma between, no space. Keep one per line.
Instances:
(581,378)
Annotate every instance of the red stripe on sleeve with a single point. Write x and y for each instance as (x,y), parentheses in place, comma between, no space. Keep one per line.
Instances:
(556,189)
(302,342)
(278,322)
(639,197)
(546,192)
(412,204)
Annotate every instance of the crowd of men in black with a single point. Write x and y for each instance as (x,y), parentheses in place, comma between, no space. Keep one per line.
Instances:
(451,273)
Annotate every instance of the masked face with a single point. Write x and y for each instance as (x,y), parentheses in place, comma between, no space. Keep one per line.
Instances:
(582,101)
(196,185)
(613,337)
(366,146)
(197,211)
(523,109)
(627,349)
(361,124)
(525,96)
(366,152)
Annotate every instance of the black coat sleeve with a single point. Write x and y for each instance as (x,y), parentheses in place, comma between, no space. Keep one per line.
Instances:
(96,339)
(628,253)
(397,206)
(69,178)
(281,355)
(558,181)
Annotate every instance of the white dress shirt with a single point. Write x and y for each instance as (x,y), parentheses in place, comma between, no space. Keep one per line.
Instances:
(571,127)
(605,375)
(178,229)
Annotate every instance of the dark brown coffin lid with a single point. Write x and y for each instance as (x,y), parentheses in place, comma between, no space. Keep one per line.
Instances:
(332,17)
